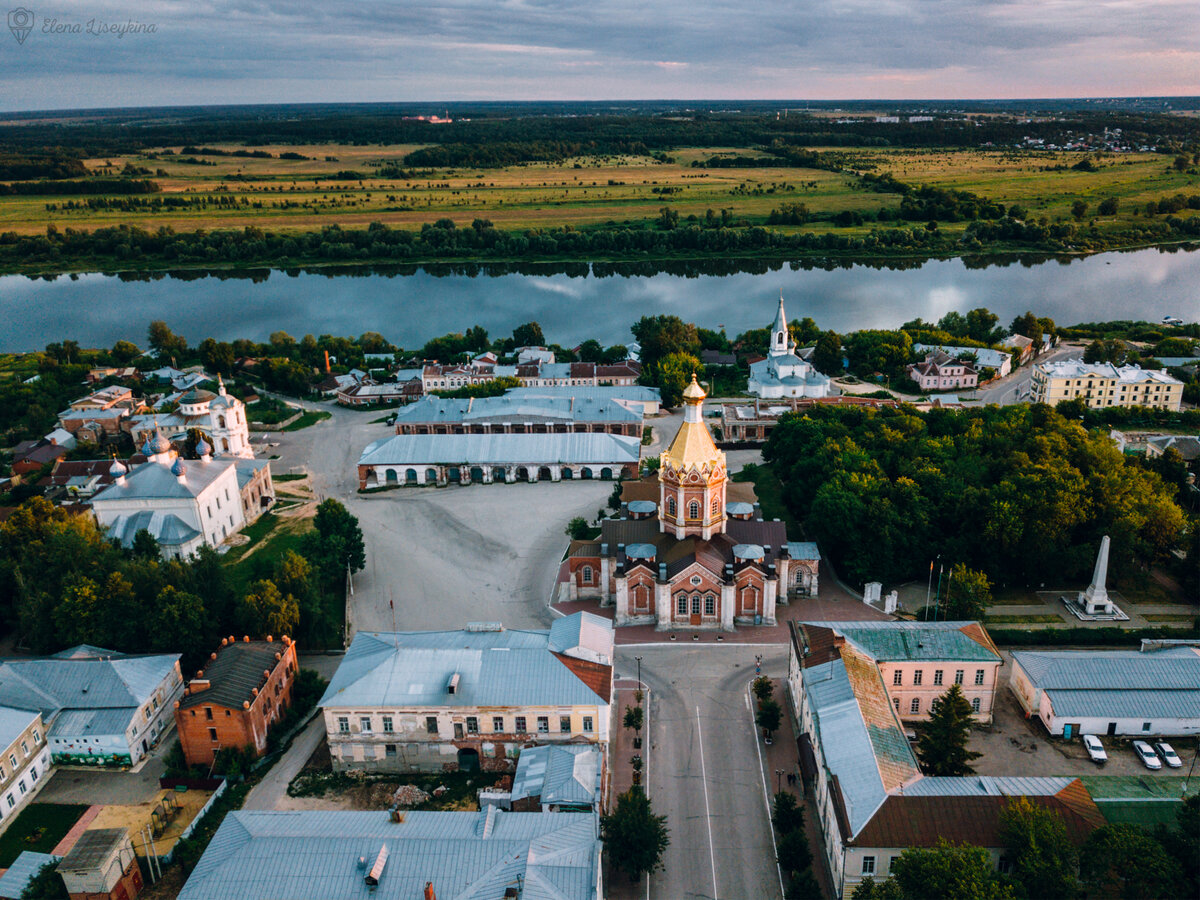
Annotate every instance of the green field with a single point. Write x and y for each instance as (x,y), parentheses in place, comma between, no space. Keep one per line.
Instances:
(237,192)
(39,828)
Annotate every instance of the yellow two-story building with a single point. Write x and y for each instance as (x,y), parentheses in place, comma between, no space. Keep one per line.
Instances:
(1101,385)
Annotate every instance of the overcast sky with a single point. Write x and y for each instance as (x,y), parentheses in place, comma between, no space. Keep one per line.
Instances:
(247,51)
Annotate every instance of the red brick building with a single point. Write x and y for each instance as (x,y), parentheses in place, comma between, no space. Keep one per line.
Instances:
(232,702)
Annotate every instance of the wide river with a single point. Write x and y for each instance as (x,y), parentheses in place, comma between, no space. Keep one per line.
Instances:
(408,309)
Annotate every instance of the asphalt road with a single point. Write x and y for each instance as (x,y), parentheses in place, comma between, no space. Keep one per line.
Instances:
(704,770)
(1015,388)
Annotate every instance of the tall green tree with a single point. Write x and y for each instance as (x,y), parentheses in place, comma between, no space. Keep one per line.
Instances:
(673,373)
(827,354)
(165,342)
(660,336)
(948,872)
(634,836)
(769,716)
(1122,860)
(270,611)
(340,531)
(968,594)
(942,745)
(1042,857)
(528,335)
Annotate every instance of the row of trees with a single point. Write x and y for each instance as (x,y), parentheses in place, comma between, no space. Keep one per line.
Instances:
(1020,493)
(163,247)
(1117,860)
(62,582)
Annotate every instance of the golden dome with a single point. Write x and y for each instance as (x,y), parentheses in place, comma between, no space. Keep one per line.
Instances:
(693,445)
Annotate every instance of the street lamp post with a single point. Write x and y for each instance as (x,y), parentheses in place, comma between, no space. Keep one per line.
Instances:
(641,702)
(758,664)
(779,781)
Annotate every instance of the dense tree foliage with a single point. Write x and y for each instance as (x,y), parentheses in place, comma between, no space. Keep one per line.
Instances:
(633,835)
(1042,858)
(1022,494)
(62,582)
(1122,860)
(945,872)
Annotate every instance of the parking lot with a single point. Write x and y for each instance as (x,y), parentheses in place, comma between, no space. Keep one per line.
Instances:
(1013,745)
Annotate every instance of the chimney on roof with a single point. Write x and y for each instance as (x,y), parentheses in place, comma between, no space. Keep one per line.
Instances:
(196,685)
(452,684)
(662,571)
(372,877)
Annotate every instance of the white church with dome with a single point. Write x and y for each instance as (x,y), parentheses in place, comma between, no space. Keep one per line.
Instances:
(783,373)
(221,418)
(183,504)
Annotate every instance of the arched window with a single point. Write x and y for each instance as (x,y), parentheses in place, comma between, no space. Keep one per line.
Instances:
(220,421)
(693,510)
(716,506)
(670,506)
(681,604)
(587,574)
(710,605)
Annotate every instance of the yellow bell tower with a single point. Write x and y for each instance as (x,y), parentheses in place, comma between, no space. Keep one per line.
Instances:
(692,476)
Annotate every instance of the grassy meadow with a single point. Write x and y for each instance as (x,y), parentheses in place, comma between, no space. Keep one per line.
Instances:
(235,192)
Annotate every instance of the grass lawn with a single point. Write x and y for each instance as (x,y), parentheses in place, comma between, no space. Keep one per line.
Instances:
(309,418)
(289,477)
(1022,620)
(270,537)
(1168,617)
(1014,597)
(770,497)
(39,827)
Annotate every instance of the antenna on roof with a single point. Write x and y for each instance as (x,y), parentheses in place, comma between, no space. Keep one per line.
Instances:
(392,607)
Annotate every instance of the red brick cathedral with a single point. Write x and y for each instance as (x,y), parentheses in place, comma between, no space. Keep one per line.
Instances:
(691,549)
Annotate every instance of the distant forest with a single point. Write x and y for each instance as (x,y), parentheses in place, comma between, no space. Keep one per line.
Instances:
(503,135)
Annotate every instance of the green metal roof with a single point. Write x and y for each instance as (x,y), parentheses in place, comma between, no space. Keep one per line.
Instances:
(912,641)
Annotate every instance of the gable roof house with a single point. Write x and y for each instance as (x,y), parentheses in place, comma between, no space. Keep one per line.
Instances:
(429,700)
(1145,692)
(872,800)
(100,707)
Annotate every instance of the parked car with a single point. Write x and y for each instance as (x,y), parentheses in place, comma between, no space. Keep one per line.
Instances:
(1148,757)
(1167,752)
(1095,749)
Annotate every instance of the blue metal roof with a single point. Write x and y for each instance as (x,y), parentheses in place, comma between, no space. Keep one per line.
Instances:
(558,773)
(516,408)
(13,722)
(464,855)
(495,668)
(54,685)
(800,549)
(14,881)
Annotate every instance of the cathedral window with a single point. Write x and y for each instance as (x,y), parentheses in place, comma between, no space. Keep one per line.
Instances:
(670,506)
(716,506)
(695,604)
(710,605)
(681,604)
(693,510)
(587,574)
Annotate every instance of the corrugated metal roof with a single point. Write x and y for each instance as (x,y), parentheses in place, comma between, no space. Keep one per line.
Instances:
(166,528)
(986,786)
(1176,668)
(84,723)
(636,392)
(305,855)
(558,773)
(13,721)
(502,449)
(14,881)
(235,673)
(801,549)
(52,685)
(893,641)
(1129,703)
(495,668)
(93,847)
(153,480)
(508,407)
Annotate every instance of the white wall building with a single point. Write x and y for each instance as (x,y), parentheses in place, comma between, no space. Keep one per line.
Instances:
(24,760)
(182,504)
(100,707)
(220,417)
(783,373)
(1102,385)
(1146,693)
